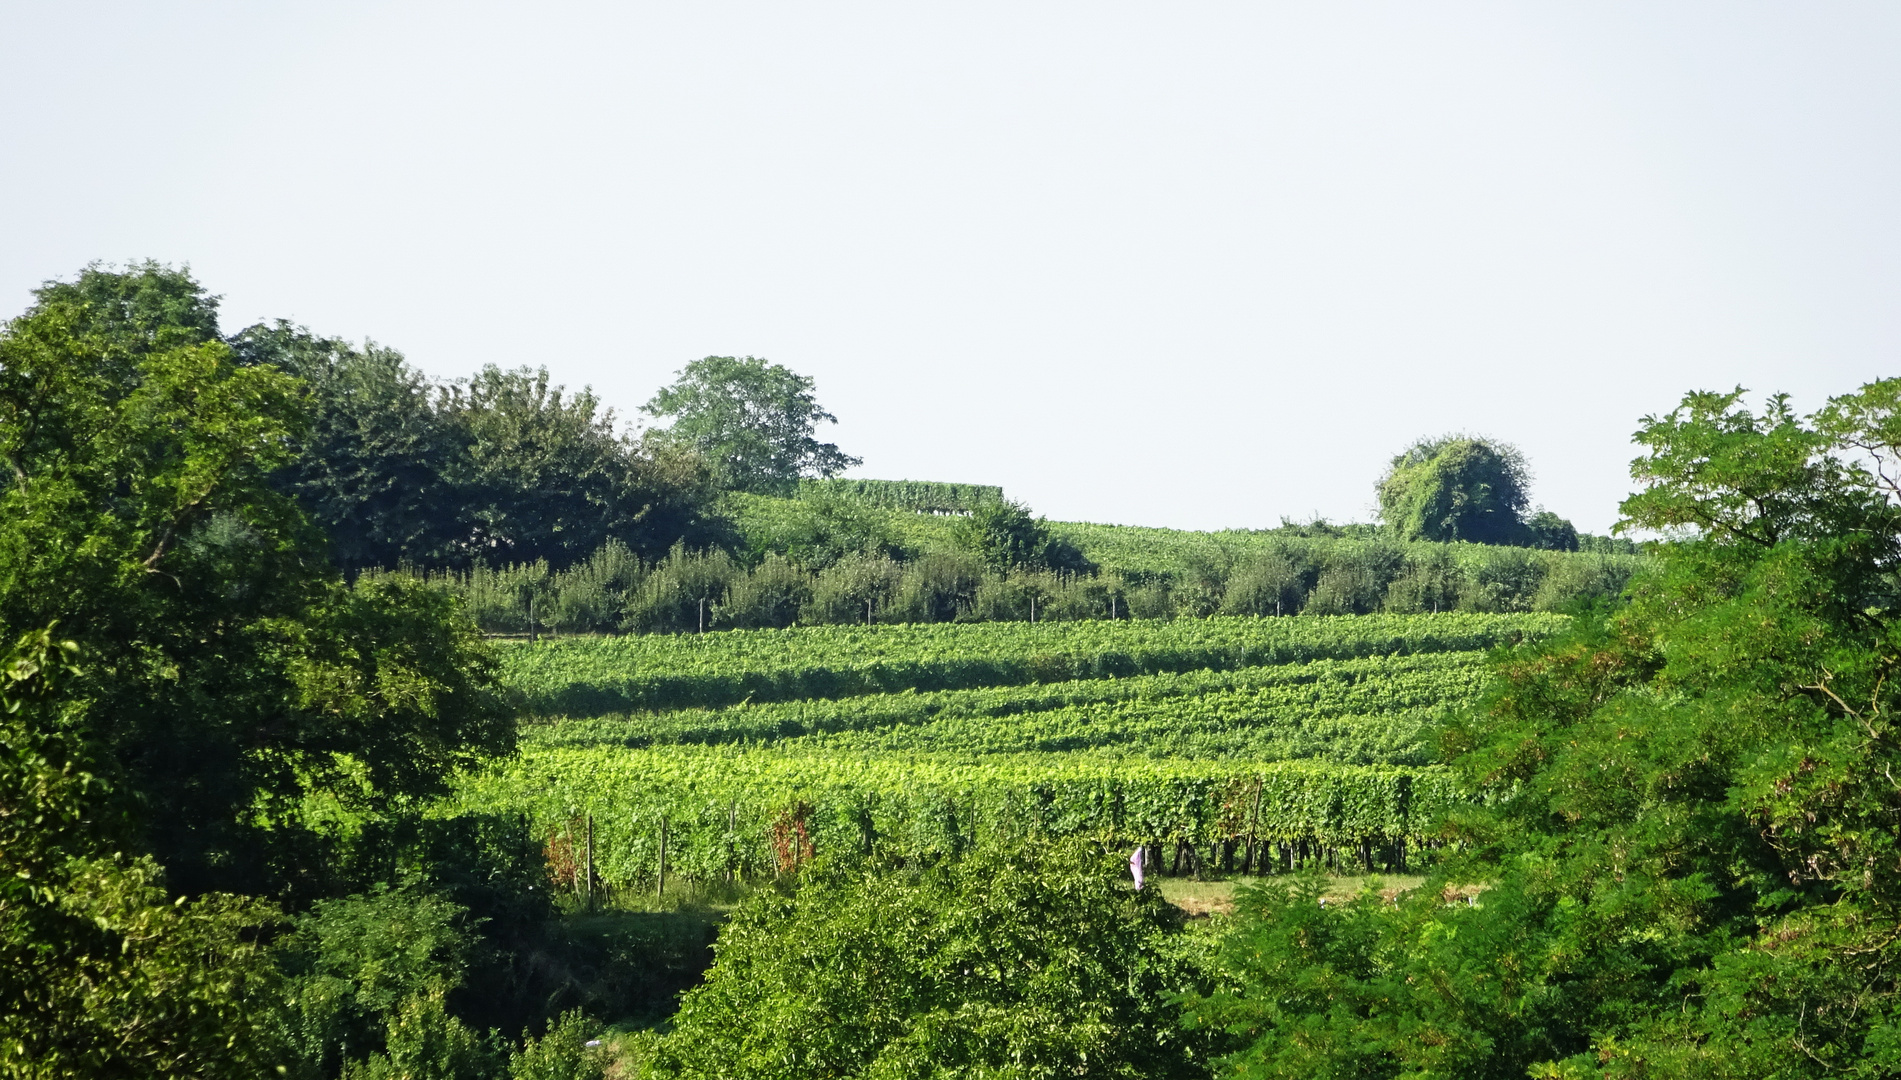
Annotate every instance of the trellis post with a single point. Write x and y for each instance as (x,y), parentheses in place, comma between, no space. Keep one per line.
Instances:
(660,890)
(590,862)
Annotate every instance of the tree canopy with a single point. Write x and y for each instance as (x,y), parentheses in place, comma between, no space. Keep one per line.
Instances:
(229,671)
(1690,863)
(187,677)
(1006,537)
(755,421)
(1457,488)
(500,467)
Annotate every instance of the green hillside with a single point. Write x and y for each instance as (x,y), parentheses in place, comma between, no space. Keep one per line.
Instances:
(1232,741)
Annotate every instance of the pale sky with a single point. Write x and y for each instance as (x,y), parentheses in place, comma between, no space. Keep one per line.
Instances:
(1185,264)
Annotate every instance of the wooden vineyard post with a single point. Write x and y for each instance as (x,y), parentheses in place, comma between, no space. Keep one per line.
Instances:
(1254,825)
(576,880)
(590,862)
(660,890)
(732,826)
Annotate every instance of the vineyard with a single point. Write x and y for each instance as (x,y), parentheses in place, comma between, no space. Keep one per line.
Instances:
(1244,743)
(915,495)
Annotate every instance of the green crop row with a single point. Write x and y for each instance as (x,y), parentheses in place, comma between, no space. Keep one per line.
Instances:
(1383,722)
(1364,711)
(755,811)
(596,676)
(918,495)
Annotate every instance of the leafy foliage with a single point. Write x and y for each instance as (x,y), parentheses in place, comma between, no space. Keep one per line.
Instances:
(1005,537)
(356,961)
(230,675)
(754,421)
(1457,488)
(101,973)
(1690,862)
(399,469)
(991,966)
(226,708)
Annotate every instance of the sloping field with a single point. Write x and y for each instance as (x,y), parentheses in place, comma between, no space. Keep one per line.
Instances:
(1246,741)
(592,676)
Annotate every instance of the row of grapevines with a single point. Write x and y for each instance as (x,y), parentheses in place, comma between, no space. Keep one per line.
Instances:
(1369,722)
(1365,711)
(920,495)
(752,811)
(591,677)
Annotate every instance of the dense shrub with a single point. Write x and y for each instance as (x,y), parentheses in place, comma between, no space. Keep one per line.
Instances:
(773,594)
(993,965)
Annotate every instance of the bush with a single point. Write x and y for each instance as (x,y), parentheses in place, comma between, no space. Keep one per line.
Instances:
(562,1054)
(590,596)
(1568,582)
(1501,579)
(770,596)
(681,593)
(938,587)
(1004,535)
(856,589)
(1012,597)
(499,599)
(1353,580)
(1270,585)
(1077,597)
(356,962)
(1429,582)
(1151,601)
(424,1042)
(994,965)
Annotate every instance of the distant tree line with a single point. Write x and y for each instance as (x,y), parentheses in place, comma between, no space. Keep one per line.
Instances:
(505,468)
(538,508)
(397,468)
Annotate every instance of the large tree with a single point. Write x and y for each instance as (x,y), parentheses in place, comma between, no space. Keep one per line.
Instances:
(1457,488)
(383,470)
(1687,856)
(228,675)
(552,477)
(754,421)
